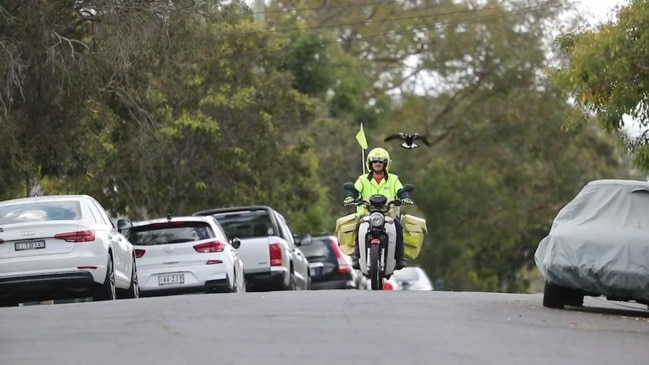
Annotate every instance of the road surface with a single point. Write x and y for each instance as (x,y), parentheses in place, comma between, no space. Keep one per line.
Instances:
(326,327)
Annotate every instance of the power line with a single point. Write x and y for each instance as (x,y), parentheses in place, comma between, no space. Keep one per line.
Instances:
(521,10)
(298,9)
(442,25)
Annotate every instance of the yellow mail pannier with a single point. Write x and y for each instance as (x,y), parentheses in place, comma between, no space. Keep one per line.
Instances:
(346,232)
(414,231)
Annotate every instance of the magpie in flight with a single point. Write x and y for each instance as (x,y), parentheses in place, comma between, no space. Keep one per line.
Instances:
(409,140)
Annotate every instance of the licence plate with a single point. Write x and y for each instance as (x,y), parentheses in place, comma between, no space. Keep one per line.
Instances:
(316,269)
(171,279)
(29,245)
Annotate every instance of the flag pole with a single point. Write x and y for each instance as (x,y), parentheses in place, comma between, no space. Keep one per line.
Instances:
(362,141)
(363,153)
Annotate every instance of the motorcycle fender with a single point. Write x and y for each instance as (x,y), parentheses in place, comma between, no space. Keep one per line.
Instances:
(363,246)
(391,230)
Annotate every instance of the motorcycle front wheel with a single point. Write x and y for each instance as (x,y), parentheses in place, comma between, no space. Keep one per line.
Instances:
(375,272)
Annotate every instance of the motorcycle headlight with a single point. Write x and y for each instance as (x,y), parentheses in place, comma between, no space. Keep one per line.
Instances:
(377,220)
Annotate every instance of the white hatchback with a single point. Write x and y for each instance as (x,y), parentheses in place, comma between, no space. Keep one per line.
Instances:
(186,254)
(63,246)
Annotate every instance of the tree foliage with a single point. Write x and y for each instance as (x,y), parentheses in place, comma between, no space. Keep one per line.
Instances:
(605,70)
(172,107)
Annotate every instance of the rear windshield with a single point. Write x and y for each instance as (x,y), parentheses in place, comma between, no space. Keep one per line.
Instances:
(169,232)
(40,211)
(319,248)
(246,224)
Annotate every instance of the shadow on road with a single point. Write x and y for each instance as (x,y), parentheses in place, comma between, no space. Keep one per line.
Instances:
(633,310)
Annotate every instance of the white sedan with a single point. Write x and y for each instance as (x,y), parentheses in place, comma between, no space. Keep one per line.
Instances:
(63,246)
(412,278)
(186,254)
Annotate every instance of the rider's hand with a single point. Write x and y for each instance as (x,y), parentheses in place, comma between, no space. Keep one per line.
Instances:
(407,201)
(348,200)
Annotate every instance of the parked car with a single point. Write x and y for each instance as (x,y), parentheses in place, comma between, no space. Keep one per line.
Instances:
(178,255)
(269,249)
(61,247)
(412,278)
(330,267)
(598,245)
(390,284)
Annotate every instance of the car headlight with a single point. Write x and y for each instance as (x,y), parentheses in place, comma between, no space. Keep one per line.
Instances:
(377,220)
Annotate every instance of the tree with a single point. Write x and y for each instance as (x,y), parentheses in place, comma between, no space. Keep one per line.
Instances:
(605,71)
(187,108)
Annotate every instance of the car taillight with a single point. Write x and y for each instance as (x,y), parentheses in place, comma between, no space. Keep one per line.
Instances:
(213,262)
(343,266)
(387,285)
(215,246)
(275,251)
(139,253)
(78,236)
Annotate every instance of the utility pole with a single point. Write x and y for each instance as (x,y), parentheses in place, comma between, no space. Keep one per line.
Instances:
(260,11)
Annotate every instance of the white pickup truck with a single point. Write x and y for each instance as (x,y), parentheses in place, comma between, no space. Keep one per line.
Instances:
(269,249)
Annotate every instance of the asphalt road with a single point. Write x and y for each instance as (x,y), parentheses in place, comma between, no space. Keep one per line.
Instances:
(326,327)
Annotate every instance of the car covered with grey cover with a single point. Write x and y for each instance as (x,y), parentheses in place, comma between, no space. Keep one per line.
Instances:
(598,245)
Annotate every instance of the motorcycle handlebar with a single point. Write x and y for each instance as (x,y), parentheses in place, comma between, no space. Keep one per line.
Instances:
(395,202)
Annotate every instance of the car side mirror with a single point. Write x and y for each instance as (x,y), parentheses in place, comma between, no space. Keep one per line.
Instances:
(235,242)
(124,224)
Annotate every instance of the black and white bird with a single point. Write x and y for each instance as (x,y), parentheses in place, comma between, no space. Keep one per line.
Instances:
(408,140)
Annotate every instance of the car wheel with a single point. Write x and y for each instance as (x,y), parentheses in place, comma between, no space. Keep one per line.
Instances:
(134,290)
(553,296)
(8,303)
(106,291)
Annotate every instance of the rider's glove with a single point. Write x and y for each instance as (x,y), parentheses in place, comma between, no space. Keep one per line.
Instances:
(407,201)
(348,200)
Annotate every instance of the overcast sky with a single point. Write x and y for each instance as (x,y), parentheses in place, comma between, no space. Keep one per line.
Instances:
(599,9)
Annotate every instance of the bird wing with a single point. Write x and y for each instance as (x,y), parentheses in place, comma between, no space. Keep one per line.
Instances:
(393,136)
(423,139)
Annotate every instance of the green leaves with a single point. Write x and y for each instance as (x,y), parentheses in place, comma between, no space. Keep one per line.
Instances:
(192,106)
(605,68)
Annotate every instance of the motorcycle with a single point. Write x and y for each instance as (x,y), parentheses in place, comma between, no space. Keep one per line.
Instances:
(379,236)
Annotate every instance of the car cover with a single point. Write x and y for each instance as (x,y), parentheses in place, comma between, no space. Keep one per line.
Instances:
(599,241)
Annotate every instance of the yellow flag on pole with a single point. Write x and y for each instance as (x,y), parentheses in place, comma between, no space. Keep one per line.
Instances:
(360,137)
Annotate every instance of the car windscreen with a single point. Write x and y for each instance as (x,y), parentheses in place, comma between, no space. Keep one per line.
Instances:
(169,233)
(319,249)
(246,224)
(40,211)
